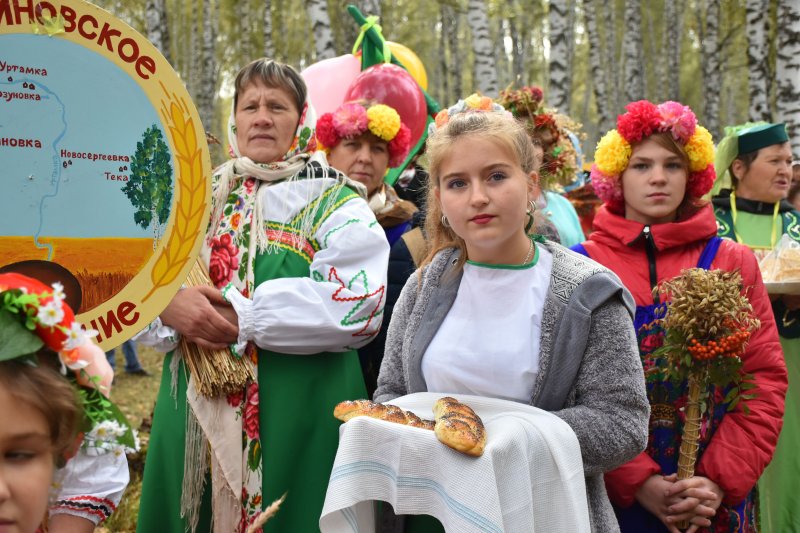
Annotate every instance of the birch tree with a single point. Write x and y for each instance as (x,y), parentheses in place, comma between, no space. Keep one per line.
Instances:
(596,62)
(517,31)
(451,22)
(561,42)
(321,29)
(485,72)
(611,71)
(712,74)
(269,48)
(788,69)
(673,37)
(369,7)
(502,65)
(756,13)
(158,27)
(206,97)
(632,46)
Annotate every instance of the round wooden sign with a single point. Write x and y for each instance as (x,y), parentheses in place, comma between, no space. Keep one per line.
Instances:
(106,170)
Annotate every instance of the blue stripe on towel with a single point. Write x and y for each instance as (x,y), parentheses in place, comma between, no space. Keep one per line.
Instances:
(405,481)
(350,516)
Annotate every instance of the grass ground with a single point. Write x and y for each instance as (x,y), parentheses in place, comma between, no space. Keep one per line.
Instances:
(135,395)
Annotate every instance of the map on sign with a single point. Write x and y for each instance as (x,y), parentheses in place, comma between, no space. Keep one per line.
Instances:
(105,166)
(79,187)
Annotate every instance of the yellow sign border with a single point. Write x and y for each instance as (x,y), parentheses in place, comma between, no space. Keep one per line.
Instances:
(151,289)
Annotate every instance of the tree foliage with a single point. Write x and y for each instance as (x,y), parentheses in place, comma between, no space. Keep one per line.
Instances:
(672,33)
(149,187)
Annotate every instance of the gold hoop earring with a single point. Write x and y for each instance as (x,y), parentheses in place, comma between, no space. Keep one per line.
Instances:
(445,222)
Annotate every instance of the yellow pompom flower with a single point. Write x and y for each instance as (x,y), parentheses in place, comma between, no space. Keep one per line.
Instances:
(700,149)
(473,101)
(612,154)
(384,122)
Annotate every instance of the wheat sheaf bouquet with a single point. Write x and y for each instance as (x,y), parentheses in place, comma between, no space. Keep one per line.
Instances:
(708,323)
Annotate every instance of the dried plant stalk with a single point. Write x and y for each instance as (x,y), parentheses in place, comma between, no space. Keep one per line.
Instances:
(265,515)
(215,372)
(687,457)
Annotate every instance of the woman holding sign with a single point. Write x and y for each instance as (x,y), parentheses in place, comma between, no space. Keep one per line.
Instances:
(301,265)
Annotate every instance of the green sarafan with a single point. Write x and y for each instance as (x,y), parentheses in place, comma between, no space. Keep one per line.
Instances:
(708,322)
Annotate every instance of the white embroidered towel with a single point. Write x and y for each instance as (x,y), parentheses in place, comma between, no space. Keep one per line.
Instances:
(530,477)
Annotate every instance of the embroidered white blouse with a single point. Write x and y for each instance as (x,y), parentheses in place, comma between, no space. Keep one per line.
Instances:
(338,307)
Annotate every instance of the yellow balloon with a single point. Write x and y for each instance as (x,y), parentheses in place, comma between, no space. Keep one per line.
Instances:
(412,63)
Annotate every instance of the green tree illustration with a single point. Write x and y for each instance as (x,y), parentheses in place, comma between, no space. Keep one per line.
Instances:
(149,186)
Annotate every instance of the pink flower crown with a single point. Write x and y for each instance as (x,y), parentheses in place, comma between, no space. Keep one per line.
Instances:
(352,119)
(643,119)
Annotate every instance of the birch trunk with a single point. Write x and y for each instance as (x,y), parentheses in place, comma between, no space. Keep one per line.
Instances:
(454,66)
(518,35)
(208,80)
(561,41)
(632,45)
(609,33)
(756,12)
(444,80)
(269,47)
(485,71)
(501,59)
(194,51)
(244,43)
(596,62)
(712,74)
(368,7)
(788,69)
(673,37)
(157,26)
(321,29)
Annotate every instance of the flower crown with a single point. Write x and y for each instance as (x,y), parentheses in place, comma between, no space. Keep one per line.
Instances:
(560,162)
(352,119)
(471,104)
(641,120)
(32,316)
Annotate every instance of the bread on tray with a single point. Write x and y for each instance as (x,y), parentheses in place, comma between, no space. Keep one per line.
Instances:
(456,423)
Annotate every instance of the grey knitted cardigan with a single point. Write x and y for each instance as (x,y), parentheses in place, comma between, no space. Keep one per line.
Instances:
(590,374)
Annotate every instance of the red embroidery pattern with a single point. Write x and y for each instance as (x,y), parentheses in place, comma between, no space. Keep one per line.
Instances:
(99,507)
(292,240)
(360,301)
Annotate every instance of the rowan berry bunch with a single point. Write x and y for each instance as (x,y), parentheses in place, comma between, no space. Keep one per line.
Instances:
(732,345)
(708,323)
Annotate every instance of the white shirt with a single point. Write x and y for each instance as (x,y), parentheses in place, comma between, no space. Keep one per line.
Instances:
(488,344)
(340,306)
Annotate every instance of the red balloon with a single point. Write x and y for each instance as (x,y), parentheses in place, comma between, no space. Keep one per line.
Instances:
(392,85)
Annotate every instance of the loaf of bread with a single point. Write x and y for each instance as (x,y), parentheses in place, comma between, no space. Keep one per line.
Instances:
(391,413)
(459,427)
(782,264)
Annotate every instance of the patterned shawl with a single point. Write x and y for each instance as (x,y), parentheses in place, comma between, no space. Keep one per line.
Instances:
(236,234)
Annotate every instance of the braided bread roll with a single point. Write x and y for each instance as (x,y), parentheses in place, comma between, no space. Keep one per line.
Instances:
(459,427)
(346,410)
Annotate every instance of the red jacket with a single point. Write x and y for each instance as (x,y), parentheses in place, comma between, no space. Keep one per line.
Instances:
(743,444)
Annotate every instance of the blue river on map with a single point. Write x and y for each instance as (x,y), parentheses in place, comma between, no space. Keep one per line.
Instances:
(88,104)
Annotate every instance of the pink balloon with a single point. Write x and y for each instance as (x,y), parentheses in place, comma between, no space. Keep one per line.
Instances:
(392,85)
(327,81)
